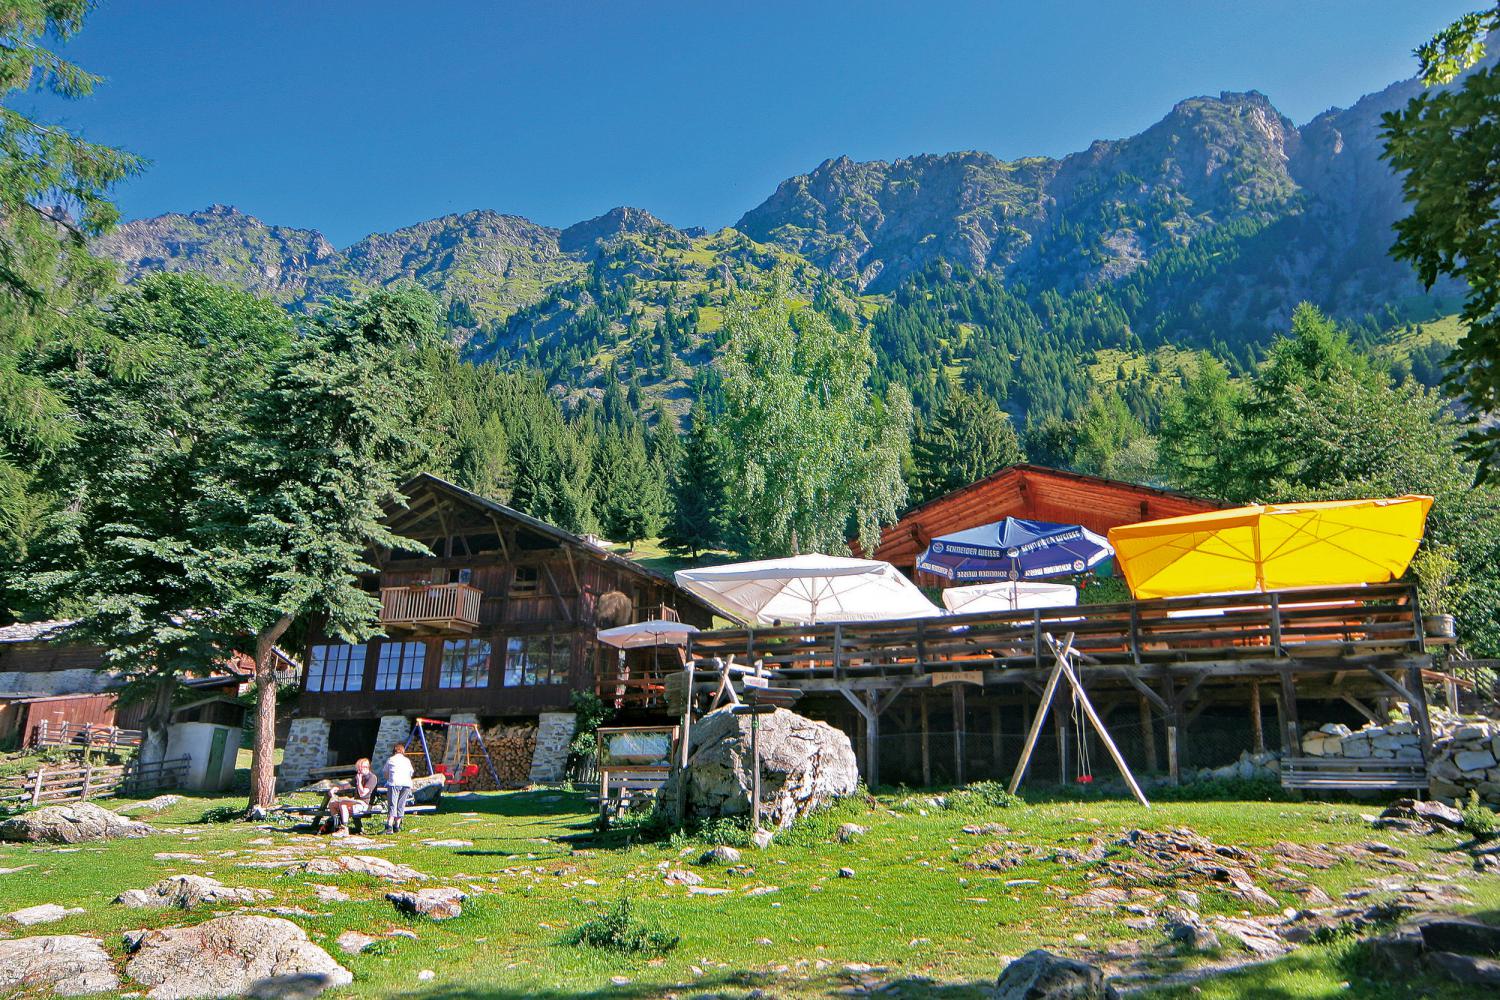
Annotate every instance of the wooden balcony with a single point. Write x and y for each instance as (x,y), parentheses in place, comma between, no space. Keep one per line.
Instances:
(430,610)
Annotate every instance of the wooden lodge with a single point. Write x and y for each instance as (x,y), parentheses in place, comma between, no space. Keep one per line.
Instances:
(1179,682)
(497,624)
(1027,491)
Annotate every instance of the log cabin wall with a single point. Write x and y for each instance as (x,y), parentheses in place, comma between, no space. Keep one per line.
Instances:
(532,642)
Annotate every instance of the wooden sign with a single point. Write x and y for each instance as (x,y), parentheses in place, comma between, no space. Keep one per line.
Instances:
(942,677)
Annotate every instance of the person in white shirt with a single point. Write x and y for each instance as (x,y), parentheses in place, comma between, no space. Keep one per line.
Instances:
(398,772)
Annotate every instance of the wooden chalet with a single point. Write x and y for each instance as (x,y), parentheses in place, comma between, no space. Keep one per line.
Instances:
(1027,491)
(499,622)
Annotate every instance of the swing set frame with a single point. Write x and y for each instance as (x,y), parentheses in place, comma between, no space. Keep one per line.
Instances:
(469,734)
(1063,653)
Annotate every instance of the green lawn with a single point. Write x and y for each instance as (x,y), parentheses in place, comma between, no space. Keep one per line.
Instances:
(913,910)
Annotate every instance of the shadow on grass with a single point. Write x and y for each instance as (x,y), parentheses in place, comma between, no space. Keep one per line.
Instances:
(730,984)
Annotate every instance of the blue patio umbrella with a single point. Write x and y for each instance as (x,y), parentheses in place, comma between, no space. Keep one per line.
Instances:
(1015,549)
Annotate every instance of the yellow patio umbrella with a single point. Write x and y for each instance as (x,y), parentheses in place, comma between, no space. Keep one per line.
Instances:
(1271,546)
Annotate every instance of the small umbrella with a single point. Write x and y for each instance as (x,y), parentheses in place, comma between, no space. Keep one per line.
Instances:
(1015,549)
(813,588)
(1008,596)
(653,632)
(1272,547)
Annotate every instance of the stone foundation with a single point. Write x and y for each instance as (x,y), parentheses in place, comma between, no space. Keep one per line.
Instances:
(549,761)
(1467,759)
(453,744)
(393,729)
(306,749)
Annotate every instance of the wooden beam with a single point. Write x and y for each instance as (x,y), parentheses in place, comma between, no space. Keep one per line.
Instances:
(1361,708)
(1036,723)
(1147,693)
(959,748)
(557,591)
(1257,728)
(926,739)
(1291,737)
(1148,733)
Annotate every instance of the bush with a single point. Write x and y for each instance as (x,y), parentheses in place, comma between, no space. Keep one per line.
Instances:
(980,796)
(619,929)
(1480,821)
(221,814)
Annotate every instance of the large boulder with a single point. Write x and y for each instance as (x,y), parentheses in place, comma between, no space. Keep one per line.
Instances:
(804,764)
(71,824)
(184,892)
(72,966)
(239,955)
(1041,975)
(426,790)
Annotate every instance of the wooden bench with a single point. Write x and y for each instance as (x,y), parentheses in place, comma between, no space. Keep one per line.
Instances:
(1352,772)
(618,785)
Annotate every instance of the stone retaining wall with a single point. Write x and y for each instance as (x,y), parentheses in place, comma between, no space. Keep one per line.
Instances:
(1465,760)
(306,749)
(549,760)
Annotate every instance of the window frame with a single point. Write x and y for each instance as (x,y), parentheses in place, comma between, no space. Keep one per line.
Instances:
(398,656)
(469,679)
(525,653)
(348,667)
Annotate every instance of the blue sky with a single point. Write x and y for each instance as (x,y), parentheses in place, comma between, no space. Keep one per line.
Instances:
(353,117)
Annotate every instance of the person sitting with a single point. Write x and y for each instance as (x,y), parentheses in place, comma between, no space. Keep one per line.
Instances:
(348,801)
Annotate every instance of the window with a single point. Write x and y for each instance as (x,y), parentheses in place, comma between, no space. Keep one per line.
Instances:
(466,664)
(399,667)
(336,668)
(526,583)
(537,659)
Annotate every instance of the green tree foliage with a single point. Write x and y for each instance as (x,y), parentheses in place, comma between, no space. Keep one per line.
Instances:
(967,437)
(294,505)
(1318,421)
(115,553)
(1109,440)
(815,451)
(699,505)
(632,489)
(53,199)
(1444,143)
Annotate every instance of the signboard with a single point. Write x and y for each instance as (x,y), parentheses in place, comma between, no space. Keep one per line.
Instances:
(942,677)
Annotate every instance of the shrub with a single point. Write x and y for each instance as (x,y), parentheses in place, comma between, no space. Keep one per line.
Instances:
(1480,821)
(619,929)
(221,814)
(979,796)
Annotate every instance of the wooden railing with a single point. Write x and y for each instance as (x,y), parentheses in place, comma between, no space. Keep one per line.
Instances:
(74,782)
(49,733)
(437,606)
(1331,621)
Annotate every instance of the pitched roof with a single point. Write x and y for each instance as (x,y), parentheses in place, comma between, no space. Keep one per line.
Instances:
(415,520)
(1031,491)
(32,631)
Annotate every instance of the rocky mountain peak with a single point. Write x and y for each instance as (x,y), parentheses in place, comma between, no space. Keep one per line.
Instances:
(586,237)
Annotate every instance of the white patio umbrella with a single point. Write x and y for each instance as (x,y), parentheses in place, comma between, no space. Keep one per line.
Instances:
(800,590)
(653,632)
(1008,596)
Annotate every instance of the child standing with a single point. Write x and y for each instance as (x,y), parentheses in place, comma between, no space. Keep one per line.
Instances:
(398,774)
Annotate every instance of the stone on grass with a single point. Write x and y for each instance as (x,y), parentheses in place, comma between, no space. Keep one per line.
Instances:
(356,865)
(1471,970)
(353,942)
(1425,810)
(851,831)
(846,873)
(762,838)
(237,955)
(1186,928)
(679,876)
(329,893)
(187,891)
(721,855)
(434,904)
(1041,975)
(71,824)
(68,964)
(44,913)
(1254,935)
(427,789)
(156,804)
(804,765)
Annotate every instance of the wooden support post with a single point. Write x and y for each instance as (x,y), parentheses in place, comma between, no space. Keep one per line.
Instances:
(36,791)
(998,735)
(1173,718)
(1257,729)
(1291,737)
(959,749)
(684,735)
(1419,711)
(1034,730)
(1148,734)
(1063,731)
(926,741)
(1104,737)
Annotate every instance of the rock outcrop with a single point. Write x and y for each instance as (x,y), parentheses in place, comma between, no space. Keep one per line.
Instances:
(804,765)
(435,904)
(1041,975)
(66,964)
(184,892)
(239,955)
(71,824)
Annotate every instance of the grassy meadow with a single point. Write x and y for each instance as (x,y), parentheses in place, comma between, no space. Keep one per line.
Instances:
(917,917)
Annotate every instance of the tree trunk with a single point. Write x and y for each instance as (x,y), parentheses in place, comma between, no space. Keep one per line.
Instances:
(154,725)
(263,763)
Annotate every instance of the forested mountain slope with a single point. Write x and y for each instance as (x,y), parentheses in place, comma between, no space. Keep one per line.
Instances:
(1203,231)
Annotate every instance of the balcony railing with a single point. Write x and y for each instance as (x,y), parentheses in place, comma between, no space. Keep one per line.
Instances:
(443,607)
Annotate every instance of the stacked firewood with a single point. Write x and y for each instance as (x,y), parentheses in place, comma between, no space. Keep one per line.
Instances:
(511,748)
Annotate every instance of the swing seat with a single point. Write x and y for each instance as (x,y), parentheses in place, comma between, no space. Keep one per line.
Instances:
(470,771)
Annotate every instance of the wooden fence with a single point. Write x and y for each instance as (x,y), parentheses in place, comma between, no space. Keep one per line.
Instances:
(50,733)
(49,785)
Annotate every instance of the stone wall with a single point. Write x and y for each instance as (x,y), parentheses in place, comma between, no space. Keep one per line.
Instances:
(393,729)
(550,758)
(1393,741)
(306,749)
(1467,759)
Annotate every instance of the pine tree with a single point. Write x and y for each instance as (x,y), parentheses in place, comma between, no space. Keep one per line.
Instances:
(966,438)
(695,523)
(631,491)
